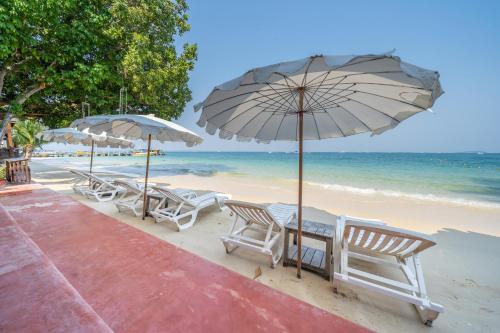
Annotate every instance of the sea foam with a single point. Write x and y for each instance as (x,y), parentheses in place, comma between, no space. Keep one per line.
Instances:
(413,196)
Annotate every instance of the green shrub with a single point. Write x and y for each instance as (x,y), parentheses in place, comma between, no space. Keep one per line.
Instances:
(3,170)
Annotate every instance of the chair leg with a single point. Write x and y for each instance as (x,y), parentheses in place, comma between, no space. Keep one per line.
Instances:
(279,251)
(188,224)
(229,247)
(336,286)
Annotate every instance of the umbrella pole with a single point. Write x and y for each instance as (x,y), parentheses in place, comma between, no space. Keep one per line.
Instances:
(299,217)
(91,156)
(91,161)
(145,197)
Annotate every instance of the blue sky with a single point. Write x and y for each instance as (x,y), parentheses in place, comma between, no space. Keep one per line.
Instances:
(460,39)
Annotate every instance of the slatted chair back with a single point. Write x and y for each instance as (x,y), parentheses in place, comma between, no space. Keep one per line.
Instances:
(129,186)
(384,239)
(171,195)
(78,173)
(254,213)
(98,179)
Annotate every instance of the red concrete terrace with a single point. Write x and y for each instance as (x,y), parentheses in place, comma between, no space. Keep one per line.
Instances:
(64,267)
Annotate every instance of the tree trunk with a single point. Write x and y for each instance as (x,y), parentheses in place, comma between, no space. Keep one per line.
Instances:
(9,68)
(28,93)
(3,72)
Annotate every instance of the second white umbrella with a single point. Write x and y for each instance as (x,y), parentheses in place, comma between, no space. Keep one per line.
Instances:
(133,127)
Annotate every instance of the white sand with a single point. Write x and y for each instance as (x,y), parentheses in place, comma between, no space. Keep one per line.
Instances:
(462,272)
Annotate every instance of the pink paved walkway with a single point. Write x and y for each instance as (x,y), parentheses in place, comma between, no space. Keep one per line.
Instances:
(65,267)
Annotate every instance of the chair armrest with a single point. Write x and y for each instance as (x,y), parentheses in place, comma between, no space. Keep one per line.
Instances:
(363,220)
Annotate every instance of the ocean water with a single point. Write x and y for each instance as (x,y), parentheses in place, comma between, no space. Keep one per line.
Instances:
(463,178)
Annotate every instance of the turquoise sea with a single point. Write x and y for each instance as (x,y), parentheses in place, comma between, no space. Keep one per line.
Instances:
(461,178)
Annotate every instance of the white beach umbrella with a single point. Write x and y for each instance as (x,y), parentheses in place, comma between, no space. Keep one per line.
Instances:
(133,127)
(69,135)
(316,98)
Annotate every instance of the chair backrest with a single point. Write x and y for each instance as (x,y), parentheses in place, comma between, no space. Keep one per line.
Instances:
(129,185)
(99,180)
(170,194)
(78,173)
(383,239)
(251,212)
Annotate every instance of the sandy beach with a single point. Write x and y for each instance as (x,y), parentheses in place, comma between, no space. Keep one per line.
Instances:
(462,272)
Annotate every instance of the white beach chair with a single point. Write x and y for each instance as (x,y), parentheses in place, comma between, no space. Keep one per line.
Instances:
(101,189)
(82,181)
(131,200)
(267,224)
(184,204)
(378,243)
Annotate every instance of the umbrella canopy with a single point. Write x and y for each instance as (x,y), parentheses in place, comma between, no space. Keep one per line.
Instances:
(134,126)
(316,98)
(73,136)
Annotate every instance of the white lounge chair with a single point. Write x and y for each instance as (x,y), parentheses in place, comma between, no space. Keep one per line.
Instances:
(82,181)
(377,243)
(184,204)
(267,224)
(101,189)
(131,200)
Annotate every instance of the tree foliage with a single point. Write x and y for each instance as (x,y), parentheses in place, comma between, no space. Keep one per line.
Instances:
(26,135)
(56,54)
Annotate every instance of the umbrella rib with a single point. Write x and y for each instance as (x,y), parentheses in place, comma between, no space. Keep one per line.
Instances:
(333,102)
(356,117)
(279,127)
(291,91)
(259,83)
(314,118)
(237,105)
(267,121)
(289,87)
(264,125)
(258,132)
(371,107)
(273,101)
(386,97)
(241,113)
(334,121)
(379,111)
(308,104)
(333,87)
(286,77)
(258,113)
(325,74)
(307,69)
(347,65)
(319,86)
(247,93)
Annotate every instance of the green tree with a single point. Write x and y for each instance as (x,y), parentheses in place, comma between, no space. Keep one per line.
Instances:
(56,54)
(26,135)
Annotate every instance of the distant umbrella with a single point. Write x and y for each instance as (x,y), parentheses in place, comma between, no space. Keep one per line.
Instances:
(133,127)
(69,135)
(316,98)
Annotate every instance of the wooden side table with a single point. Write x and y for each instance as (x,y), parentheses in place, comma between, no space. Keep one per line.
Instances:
(157,197)
(314,260)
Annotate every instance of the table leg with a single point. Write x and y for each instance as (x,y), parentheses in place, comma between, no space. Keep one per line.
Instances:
(328,255)
(285,249)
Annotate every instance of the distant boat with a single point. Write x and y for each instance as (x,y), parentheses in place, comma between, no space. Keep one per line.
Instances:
(144,152)
(80,153)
